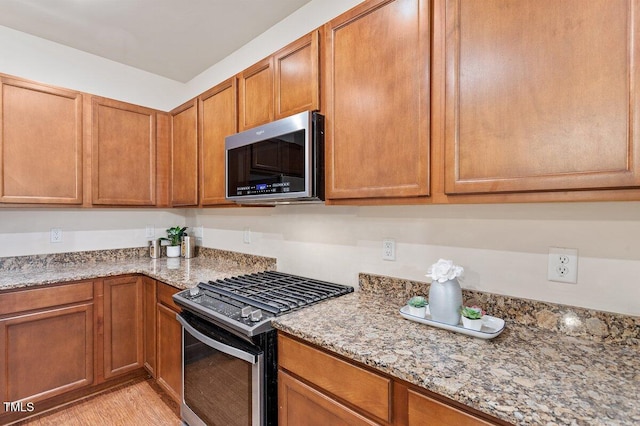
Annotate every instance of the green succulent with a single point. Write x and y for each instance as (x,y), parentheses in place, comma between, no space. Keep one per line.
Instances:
(174,234)
(417,302)
(471,312)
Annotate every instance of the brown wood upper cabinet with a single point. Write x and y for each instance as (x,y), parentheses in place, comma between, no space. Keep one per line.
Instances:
(184,154)
(256,95)
(123,154)
(297,76)
(283,84)
(540,95)
(40,144)
(377,101)
(217,120)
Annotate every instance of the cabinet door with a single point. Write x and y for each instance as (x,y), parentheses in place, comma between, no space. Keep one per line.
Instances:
(46,353)
(377,90)
(297,77)
(540,95)
(149,320)
(184,155)
(300,404)
(256,95)
(169,341)
(123,154)
(218,119)
(40,144)
(123,328)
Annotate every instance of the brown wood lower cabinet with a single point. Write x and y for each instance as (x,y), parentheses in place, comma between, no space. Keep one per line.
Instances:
(316,387)
(149,319)
(46,353)
(169,343)
(59,343)
(123,332)
(301,404)
(46,343)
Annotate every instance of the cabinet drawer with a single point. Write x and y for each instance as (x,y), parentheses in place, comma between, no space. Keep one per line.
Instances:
(44,297)
(357,386)
(301,404)
(165,292)
(426,411)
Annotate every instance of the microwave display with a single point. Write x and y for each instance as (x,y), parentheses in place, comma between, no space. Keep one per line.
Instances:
(271,166)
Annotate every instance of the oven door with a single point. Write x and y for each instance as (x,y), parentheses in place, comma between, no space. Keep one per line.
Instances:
(222,376)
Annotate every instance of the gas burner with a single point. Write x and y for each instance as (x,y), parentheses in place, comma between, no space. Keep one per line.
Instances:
(247,303)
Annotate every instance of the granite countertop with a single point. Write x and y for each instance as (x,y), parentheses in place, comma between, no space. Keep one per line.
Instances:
(29,271)
(525,376)
(551,365)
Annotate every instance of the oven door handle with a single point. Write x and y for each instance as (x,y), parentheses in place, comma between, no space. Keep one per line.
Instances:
(229,350)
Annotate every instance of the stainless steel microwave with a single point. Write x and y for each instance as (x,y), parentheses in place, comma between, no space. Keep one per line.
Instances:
(277,163)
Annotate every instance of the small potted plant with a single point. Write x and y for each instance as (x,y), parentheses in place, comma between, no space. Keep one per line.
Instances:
(173,236)
(472,317)
(418,306)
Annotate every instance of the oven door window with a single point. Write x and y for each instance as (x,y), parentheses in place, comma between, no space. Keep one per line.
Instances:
(222,383)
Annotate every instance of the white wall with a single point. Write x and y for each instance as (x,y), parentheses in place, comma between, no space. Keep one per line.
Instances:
(504,248)
(30,57)
(27,231)
(310,16)
(37,59)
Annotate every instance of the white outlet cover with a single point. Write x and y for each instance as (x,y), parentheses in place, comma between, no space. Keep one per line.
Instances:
(563,265)
(56,235)
(388,249)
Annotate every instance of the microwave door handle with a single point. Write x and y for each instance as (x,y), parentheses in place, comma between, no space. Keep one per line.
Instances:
(229,350)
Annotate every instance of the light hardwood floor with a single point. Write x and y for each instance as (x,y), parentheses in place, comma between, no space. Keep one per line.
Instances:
(139,403)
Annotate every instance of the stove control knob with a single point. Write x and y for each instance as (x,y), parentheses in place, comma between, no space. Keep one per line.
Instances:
(256,315)
(193,291)
(245,312)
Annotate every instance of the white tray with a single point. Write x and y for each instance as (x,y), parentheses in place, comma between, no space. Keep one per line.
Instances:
(491,326)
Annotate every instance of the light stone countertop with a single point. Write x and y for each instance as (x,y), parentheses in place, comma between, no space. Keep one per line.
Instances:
(29,271)
(525,376)
(536,372)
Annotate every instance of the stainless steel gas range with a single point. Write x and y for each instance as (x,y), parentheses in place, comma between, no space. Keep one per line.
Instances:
(229,347)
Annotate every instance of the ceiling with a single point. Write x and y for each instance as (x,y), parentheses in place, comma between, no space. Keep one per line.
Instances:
(177,39)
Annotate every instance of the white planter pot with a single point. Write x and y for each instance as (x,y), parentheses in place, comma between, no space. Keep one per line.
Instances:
(472,324)
(173,251)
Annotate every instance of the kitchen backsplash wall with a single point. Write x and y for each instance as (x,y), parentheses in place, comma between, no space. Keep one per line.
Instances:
(504,248)
(28,231)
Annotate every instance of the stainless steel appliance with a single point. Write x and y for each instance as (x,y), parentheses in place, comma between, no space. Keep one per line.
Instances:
(278,162)
(229,346)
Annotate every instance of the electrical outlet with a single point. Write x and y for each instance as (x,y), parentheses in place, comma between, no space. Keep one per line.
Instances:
(388,249)
(246,236)
(56,235)
(150,231)
(563,265)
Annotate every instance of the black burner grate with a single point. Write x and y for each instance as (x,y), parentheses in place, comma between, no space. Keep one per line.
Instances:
(277,292)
